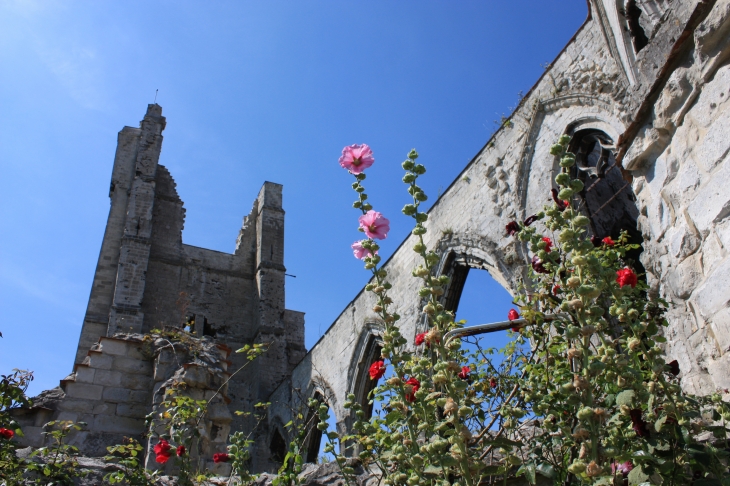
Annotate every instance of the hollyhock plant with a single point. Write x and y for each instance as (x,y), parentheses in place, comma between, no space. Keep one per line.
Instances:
(162,451)
(180,451)
(512,228)
(626,276)
(360,251)
(412,385)
(538,265)
(377,370)
(530,220)
(375,225)
(6,433)
(356,158)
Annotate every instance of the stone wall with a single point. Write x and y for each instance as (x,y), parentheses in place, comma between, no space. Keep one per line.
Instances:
(649,117)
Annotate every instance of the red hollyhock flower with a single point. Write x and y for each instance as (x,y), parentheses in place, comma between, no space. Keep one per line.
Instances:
(548,244)
(512,228)
(464,374)
(420,338)
(608,241)
(492,383)
(6,433)
(531,220)
(414,385)
(674,367)
(180,451)
(556,289)
(377,370)
(626,276)
(220,457)
(596,241)
(537,265)
(512,315)
(638,424)
(162,451)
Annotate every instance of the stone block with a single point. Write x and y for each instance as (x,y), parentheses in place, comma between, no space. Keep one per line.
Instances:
(84,374)
(712,201)
(219,413)
(117,347)
(68,416)
(115,394)
(136,382)
(196,377)
(108,377)
(132,410)
(685,277)
(104,408)
(163,371)
(84,391)
(713,295)
(100,361)
(131,365)
(720,325)
(116,424)
(73,405)
(714,147)
(136,396)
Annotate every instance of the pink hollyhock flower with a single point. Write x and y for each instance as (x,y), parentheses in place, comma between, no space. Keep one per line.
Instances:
(356,158)
(420,338)
(608,241)
(548,244)
(377,370)
(376,225)
(626,276)
(412,386)
(623,467)
(361,252)
(220,457)
(464,373)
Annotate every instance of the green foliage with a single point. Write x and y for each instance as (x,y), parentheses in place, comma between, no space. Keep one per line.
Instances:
(12,395)
(130,458)
(583,394)
(58,464)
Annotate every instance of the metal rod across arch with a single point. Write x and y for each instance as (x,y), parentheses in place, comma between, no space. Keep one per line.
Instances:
(496,326)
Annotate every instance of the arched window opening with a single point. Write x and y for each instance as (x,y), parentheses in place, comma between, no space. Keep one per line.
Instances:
(457,271)
(607,199)
(632,14)
(277,447)
(313,440)
(364,384)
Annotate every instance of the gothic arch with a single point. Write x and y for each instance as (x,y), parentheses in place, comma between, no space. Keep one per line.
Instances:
(366,352)
(319,390)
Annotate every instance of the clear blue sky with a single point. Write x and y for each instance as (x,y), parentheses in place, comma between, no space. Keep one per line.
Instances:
(252,91)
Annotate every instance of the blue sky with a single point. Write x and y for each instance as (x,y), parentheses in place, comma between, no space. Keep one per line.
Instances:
(252,91)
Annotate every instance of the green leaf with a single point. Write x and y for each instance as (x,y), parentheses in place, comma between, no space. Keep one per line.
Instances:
(546,470)
(637,476)
(503,442)
(660,423)
(530,473)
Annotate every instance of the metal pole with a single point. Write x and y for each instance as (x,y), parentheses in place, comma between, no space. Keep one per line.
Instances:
(496,326)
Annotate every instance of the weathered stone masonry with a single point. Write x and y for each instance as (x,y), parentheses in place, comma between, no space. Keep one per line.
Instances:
(644,90)
(147,278)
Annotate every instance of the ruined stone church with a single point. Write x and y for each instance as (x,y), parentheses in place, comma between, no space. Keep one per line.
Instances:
(643,88)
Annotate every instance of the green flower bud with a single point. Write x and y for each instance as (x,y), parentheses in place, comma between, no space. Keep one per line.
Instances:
(408,178)
(421,196)
(581,220)
(356,204)
(407,165)
(576,185)
(567,162)
(556,149)
(419,169)
(577,467)
(562,179)
(409,209)
(585,414)
(421,217)
(413,155)
(565,194)
(367,207)
(564,140)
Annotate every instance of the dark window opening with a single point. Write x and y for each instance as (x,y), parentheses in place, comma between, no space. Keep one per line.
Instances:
(313,440)
(458,272)
(277,447)
(632,13)
(366,385)
(607,198)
